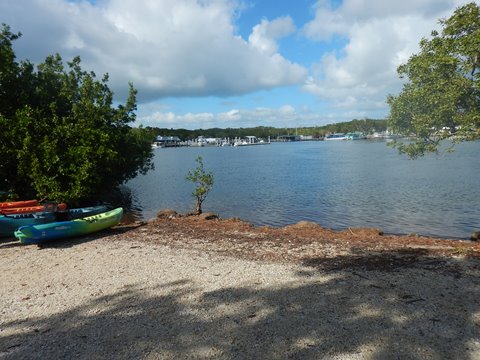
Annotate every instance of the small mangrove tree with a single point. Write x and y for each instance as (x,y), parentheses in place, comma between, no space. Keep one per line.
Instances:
(203,183)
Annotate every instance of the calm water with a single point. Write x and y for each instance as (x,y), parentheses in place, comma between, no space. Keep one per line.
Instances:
(336,184)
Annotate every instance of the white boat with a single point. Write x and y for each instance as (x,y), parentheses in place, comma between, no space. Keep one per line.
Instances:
(357,135)
(250,140)
(336,136)
(156,145)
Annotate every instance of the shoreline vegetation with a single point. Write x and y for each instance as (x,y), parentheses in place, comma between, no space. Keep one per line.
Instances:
(291,242)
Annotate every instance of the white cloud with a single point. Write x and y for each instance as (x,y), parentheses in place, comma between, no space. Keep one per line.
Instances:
(170,119)
(379,35)
(264,35)
(190,48)
(283,116)
(165,47)
(326,23)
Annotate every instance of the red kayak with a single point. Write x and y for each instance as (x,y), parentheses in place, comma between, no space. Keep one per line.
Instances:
(18,204)
(35,208)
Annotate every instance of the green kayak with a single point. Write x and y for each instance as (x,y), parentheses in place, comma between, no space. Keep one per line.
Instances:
(35,234)
(10,223)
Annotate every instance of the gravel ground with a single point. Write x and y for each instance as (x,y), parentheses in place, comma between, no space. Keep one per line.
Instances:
(114,296)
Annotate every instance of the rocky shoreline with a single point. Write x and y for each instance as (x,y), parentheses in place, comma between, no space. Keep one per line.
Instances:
(205,288)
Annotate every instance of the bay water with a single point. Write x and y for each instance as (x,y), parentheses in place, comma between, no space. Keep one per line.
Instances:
(337,184)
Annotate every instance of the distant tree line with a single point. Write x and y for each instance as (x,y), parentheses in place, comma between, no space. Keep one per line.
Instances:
(367,126)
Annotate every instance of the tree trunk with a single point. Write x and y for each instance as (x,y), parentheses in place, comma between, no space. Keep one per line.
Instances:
(199,207)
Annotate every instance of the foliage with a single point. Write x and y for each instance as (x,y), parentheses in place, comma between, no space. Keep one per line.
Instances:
(367,126)
(60,136)
(203,183)
(442,97)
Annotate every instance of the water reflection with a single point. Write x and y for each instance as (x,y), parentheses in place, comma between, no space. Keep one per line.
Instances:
(336,184)
(124,197)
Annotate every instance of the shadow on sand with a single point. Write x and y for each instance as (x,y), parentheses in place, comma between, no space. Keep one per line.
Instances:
(390,313)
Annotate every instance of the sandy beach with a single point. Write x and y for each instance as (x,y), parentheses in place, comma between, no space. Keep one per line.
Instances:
(166,290)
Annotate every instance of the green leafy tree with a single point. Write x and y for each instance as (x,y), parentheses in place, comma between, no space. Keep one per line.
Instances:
(60,136)
(203,183)
(442,96)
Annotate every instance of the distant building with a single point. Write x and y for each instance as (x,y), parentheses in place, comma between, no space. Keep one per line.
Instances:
(165,141)
(306,137)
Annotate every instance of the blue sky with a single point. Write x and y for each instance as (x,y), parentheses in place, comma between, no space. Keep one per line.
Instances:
(235,63)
